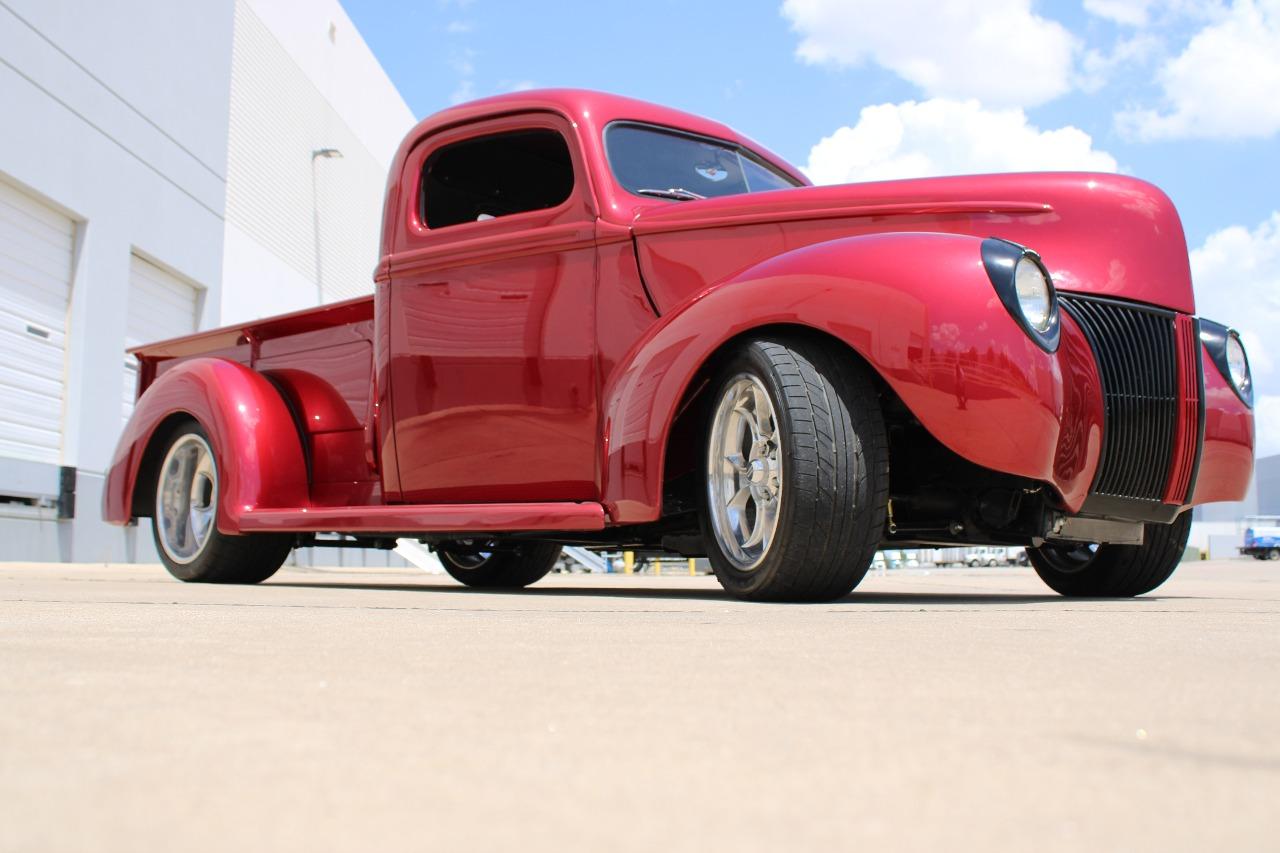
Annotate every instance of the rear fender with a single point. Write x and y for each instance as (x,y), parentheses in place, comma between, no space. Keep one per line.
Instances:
(921,311)
(261,461)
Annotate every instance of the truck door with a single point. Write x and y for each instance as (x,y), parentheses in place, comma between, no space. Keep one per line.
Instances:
(492,341)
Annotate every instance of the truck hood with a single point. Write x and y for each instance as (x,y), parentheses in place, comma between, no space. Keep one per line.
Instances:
(1097,233)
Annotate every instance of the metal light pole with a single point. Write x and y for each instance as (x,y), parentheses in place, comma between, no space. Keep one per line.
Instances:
(327,154)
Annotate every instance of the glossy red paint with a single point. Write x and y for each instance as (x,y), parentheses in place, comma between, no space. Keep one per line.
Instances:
(623,312)
(1187,436)
(1226,462)
(340,472)
(329,320)
(331,398)
(408,518)
(1103,234)
(519,372)
(492,345)
(252,432)
(959,361)
(1079,449)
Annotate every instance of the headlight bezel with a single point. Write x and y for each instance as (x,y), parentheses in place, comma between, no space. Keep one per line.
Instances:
(1001,259)
(1217,340)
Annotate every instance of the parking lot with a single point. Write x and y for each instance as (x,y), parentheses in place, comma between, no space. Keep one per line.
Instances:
(361,710)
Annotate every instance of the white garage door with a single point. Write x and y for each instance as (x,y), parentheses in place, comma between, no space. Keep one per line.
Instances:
(161,306)
(36,245)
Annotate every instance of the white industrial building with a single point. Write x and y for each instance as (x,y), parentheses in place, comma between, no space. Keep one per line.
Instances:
(163,167)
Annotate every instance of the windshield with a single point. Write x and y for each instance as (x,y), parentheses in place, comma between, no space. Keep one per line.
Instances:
(662,163)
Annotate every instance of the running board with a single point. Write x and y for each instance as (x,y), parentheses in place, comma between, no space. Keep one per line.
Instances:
(426,518)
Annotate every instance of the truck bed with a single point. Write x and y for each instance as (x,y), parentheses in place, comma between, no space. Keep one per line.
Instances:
(321,361)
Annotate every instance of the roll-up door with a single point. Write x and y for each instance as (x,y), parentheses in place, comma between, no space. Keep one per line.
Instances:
(36,250)
(161,306)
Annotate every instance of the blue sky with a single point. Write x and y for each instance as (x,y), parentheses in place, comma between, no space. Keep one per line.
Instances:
(1184,94)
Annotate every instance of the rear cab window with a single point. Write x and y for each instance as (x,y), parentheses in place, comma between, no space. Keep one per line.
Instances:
(493,176)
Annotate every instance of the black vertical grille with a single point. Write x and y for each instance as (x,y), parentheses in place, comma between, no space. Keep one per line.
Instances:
(1137,353)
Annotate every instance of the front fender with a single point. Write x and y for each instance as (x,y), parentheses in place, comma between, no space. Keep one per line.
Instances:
(260,457)
(921,311)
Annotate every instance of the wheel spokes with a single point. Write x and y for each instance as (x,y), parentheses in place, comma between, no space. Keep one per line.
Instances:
(739,464)
(765,427)
(182,498)
(766,521)
(187,498)
(201,494)
(745,472)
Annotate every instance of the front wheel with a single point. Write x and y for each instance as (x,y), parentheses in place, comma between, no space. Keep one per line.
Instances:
(797,472)
(489,564)
(185,523)
(1113,571)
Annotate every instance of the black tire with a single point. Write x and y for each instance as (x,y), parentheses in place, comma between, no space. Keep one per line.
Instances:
(834,478)
(1114,571)
(221,558)
(504,567)
(1273,555)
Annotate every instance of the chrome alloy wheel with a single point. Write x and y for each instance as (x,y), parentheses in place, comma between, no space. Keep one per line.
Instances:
(1069,558)
(467,558)
(744,472)
(186,498)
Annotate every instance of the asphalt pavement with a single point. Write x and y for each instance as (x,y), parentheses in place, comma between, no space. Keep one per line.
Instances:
(378,710)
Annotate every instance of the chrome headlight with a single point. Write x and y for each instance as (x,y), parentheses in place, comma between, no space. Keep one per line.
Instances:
(1024,286)
(1227,352)
(1035,296)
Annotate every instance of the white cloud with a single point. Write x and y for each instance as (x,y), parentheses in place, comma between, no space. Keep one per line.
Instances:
(1237,279)
(942,137)
(1223,85)
(1097,67)
(463,92)
(462,62)
(1001,53)
(1131,12)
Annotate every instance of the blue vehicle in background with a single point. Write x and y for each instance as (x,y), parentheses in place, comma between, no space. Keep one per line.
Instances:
(1262,538)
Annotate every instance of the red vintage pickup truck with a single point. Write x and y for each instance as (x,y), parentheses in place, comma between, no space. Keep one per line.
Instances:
(604,323)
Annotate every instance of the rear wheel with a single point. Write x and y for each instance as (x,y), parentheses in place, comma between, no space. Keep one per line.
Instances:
(797,472)
(1114,571)
(185,524)
(481,563)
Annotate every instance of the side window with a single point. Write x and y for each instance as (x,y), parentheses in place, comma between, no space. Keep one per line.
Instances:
(759,179)
(495,176)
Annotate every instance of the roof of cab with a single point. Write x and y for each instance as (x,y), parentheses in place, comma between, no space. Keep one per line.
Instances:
(584,106)
(576,104)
